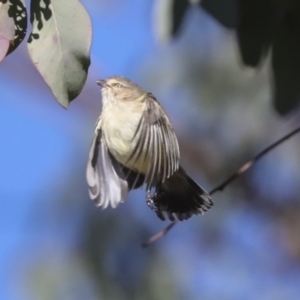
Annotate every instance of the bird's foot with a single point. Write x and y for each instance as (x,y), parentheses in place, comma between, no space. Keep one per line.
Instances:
(151,201)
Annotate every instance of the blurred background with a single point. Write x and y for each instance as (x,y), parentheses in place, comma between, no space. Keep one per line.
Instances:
(55,244)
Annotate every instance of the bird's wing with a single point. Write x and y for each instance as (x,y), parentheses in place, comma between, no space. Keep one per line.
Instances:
(157,141)
(106,185)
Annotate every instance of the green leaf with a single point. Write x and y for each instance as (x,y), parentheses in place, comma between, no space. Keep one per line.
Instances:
(255,37)
(13,25)
(224,11)
(179,10)
(17,11)
(168,18)
(286,60)
(59,46)
(7,29)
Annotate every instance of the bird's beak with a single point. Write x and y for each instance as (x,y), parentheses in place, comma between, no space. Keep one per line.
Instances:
(102,83)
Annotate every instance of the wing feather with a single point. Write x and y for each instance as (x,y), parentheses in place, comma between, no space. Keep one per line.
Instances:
(154,159)
(106,185)
(134,156)
(157,143)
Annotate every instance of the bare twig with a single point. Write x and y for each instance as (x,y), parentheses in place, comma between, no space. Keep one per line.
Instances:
(226,182)
(158,235)
(249,164)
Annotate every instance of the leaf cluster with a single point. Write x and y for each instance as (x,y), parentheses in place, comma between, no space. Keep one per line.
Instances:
(58,44)
(263,28)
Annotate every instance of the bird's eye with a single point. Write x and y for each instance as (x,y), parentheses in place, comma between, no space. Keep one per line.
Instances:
(118,85)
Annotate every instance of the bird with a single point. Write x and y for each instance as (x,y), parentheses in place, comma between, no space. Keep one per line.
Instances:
(135,145)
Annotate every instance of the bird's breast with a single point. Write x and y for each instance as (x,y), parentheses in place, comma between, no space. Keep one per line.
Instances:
(119,125)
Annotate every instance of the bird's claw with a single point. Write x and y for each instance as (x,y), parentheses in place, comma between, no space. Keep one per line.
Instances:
(151,201)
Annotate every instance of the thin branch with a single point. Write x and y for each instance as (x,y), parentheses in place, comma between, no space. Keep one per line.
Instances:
(249,164)
(158,235)
(226,182)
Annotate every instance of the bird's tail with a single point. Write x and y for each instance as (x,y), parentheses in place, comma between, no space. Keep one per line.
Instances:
(180,197)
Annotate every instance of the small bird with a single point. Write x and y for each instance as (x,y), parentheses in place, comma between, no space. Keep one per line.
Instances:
(135,144)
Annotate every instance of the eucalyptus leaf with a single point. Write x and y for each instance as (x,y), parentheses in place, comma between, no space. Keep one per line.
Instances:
(168,18)
(13,25)
(17,11)
(225,11)
(59,46)
(7,29)
(179,10)
(255,37)
(286,60)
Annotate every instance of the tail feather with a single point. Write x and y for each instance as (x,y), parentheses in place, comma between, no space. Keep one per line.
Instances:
(180,197)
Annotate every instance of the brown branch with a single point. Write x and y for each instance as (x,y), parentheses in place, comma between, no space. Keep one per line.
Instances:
(249,164)
(158,235)
(226,182)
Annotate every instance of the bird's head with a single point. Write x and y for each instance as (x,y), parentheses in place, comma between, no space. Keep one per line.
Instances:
(119,88)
